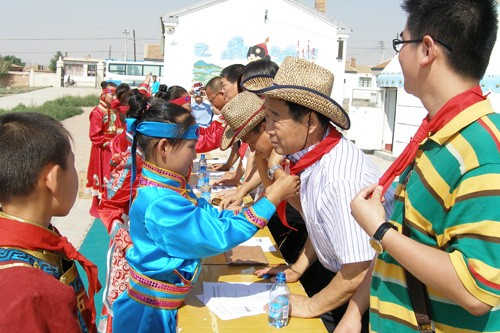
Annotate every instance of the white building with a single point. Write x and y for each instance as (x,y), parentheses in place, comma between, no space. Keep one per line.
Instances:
(200,40)
(83,71)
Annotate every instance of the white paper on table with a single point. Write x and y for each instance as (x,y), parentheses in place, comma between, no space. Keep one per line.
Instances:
(214,174)
(212,161)
(264,242)
(231,300)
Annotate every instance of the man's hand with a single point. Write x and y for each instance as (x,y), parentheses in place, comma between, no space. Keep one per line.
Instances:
(220,167)
(367,209)
(291,274)
(283,188)
(231,200)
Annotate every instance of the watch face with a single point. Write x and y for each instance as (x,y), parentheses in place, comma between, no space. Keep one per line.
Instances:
(376,246)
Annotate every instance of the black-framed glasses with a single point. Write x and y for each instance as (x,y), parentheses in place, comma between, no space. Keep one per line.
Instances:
(397,44)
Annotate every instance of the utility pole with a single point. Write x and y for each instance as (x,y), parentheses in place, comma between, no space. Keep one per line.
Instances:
(381,43)
(109,56)
(134,44)
(126,33)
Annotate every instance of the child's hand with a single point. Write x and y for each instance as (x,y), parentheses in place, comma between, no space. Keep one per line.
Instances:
(283,188)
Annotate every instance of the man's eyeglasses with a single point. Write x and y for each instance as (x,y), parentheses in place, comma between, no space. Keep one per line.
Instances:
(213,97)
(397,44)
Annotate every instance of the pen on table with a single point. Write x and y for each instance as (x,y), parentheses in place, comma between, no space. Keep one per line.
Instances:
(265,276)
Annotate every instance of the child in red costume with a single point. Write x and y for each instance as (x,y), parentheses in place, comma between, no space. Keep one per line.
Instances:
(104,126)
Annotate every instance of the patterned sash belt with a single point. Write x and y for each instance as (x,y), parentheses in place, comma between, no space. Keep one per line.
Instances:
(155,293)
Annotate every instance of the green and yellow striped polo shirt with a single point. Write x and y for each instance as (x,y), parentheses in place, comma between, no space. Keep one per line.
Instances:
(451,201)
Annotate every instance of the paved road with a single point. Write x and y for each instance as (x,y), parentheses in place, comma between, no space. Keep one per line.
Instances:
(78,222)
(38,97)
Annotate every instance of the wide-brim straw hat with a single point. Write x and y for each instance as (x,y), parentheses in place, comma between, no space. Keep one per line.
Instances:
(242,113)
(301,82)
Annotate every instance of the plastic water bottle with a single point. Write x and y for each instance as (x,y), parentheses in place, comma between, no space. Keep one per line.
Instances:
(206,189)
(278,302)
(203,162)
(201,176)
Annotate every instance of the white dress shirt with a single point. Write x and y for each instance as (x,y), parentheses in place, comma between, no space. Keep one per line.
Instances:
(327,189)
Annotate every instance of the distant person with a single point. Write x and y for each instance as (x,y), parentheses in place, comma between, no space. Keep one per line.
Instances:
(39,282)
(172,229)
(104,126)
(438,264)
(202,111)
(155,85)
(229,80)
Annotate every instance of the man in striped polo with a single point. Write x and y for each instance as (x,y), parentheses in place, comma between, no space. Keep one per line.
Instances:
(299,117)
(446,211)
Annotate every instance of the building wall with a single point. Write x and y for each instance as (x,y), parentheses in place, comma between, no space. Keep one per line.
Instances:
(16,79)
(207,40)
(41,79)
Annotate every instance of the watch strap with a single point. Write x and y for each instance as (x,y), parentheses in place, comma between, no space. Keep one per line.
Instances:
(382,229)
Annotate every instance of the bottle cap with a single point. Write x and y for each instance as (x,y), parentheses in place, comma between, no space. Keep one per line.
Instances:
(207,179)
(202,156)
(281,277)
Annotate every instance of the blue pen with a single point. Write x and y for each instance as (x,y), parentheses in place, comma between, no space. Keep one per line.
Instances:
(265,276)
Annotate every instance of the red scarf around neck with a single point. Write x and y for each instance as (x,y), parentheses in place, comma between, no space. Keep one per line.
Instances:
(449,111)
(33,237)
(311,157)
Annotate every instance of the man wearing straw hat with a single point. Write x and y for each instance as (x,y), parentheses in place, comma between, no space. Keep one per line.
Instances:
(299,117)
(439,264)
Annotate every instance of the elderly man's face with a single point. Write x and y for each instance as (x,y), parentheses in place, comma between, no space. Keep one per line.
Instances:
(287,135)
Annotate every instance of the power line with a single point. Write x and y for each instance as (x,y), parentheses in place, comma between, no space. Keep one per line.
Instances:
(83,38)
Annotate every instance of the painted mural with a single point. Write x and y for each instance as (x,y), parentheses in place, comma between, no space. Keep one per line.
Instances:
(236,49)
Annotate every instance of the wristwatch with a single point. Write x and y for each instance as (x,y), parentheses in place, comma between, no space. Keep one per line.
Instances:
(270,172)
(376,240)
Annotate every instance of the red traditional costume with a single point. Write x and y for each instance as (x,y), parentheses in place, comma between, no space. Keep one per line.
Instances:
(113,211)
(40,288)
(104,125)
(210,137)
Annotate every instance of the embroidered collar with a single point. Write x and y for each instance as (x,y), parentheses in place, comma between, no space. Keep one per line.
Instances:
(152,175)
(295,157)
(17,219)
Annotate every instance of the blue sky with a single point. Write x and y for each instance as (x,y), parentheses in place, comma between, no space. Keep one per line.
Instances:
(92,27)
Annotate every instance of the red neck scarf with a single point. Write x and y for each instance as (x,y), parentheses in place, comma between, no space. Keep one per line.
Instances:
(311,157)
(449,111)
(32,237)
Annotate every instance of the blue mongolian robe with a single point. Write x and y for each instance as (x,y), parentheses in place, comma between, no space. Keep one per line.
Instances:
(172,230)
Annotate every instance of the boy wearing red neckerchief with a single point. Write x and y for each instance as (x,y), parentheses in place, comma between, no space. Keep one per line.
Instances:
(444,231)
(39,282)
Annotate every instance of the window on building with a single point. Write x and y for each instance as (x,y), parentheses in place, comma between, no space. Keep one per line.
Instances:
(341,49)
(91,70)
(73,69)
(365,82)
(367,98)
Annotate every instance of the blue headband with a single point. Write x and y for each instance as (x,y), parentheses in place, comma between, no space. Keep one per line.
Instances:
(158,130)
(161,130)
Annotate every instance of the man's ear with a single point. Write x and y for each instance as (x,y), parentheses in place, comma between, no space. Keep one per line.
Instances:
(262,127)
(313,123)
(429,50)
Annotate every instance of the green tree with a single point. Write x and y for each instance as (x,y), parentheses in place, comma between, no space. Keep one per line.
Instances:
(53,61)
(14,60)
(4,66)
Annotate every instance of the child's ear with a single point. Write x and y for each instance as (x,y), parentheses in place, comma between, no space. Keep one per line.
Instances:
(263,126)
(50,174)
(163,146)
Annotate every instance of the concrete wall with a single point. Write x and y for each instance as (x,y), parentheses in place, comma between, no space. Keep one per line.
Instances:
(16,79)
(41,79)
(207,40)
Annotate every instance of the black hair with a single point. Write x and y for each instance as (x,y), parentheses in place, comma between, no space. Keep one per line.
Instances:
(122,93)
(214,85)
(107,84)
(298,112)
(158,110)
(467,27)
(258,67)
(232,72)
(30,141)
(172,93)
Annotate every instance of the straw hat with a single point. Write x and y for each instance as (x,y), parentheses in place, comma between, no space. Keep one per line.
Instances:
(242,113)
(302,82)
